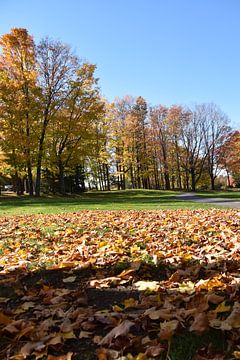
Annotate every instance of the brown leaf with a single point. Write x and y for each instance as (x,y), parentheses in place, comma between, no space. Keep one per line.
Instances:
(154,351)
(164,314)
(68,356)
(200,323)
(167,329)
(215,299)
(69,279)
(29,347)
(55,340)
(85,334)
(120,330)
(107,354)
(5,320)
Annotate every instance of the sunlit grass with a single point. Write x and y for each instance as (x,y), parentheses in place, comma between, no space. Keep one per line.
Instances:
(109,200)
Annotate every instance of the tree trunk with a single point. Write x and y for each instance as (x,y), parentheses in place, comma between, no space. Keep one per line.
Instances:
(38,177)
(212,183)
(61,177)
(39,161)
(193,180)
(30,179)
(167,181)
(228,179)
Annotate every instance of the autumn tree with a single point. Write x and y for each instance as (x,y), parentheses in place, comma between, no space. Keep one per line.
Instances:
(18,108)
(160,130)
(215,129)
(57,67)
(194,153)
(135,140)
(229,156)
(122,108)
(72,128)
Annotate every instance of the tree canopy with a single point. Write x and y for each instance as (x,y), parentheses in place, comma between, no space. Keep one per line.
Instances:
(58,134)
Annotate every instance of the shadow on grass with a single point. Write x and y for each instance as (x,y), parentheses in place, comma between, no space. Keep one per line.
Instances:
(42,290)
(115,200)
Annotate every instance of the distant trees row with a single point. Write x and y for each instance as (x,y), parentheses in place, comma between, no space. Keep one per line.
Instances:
(57,133)
(172,148)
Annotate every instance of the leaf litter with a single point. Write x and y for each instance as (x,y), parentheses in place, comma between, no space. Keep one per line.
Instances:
(118,284)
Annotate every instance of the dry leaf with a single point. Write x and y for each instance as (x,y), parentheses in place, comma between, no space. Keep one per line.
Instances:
(5,320)
(120,330)
(69,279)
(200,323)
(147,285)
(167,329)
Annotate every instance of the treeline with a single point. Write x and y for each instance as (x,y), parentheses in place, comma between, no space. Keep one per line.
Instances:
(59,135)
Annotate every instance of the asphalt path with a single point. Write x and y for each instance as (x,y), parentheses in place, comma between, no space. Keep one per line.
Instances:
(234,204)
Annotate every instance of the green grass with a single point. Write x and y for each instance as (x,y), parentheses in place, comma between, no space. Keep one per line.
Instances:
(185,345)
(114,200)
(233,195)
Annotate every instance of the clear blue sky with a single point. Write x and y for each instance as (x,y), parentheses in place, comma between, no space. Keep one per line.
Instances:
(168,51)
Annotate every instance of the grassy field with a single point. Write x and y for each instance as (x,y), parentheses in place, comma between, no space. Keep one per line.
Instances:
(114,200)
(233,195)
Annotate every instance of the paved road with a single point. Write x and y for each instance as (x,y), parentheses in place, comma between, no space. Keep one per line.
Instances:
(234,204)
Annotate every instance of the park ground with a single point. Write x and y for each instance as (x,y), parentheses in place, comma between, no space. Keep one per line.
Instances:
(151,277)
(109,200)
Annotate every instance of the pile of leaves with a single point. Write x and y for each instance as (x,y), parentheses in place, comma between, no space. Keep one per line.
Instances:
(120,285)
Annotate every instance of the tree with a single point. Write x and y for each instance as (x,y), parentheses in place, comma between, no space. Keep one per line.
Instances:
(121,110)
(229,155)
(159,124)
(193,154)
(216,130)
(72,129)
(135,144)
(18,100)
(57,67)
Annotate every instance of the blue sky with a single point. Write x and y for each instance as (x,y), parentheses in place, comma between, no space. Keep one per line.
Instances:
(168,51)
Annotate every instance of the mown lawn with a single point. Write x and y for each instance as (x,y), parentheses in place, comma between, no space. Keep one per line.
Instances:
(233,195)
(114,200)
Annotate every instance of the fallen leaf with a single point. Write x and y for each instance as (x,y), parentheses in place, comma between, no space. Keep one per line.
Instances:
(154,351)
(200,323)
(69,279)
(147,285)
(120,330)
(68,356)
(85,334)
(221,308)
(167,329)
(5,320)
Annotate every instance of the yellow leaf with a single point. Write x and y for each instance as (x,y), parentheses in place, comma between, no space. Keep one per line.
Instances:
(102,244)
(130,303)
(187,287)
(141,356)
(69,335)
(147,285)
(209,284)
(221,308)
(134,249)
(117,308)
